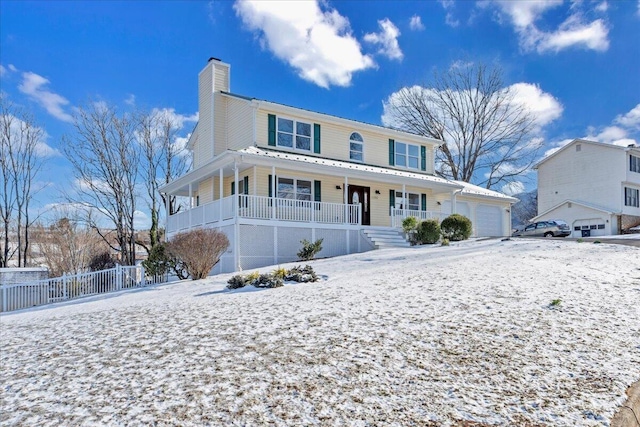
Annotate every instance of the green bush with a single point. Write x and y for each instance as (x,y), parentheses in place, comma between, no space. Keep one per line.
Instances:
(456,227)
(159,262)
(409,224)
(236,282)
(268,281)
(445,242)
(428,231)
(309,250)
(302,274)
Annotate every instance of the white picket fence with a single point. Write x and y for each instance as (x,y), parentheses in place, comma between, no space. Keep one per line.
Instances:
(31,294)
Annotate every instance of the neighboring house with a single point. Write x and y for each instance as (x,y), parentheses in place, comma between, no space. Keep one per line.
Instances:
(269,175)
(592,186)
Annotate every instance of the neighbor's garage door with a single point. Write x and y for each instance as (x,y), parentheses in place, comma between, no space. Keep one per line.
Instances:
(589,227)
(488,221)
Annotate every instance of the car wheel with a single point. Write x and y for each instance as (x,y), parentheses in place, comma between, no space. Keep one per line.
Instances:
(548,234)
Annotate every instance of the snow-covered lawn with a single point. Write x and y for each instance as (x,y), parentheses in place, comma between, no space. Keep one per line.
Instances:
(417,336)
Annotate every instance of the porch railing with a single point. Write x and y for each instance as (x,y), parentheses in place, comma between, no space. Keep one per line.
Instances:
(398,215)
(260,207)
(41,292)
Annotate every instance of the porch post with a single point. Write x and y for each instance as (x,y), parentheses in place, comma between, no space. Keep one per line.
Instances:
(273,192)
(255,181)
(167,206)
(236,224)
(220,192)
(190,204)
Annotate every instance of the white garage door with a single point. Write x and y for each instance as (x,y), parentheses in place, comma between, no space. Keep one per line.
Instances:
(488,221)
(461,207)
(589,227)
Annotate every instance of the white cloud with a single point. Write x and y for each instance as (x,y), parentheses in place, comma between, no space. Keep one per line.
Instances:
(44,150)
(602,7)
(3,71)
(130,100)
(178,120)
(12,68)
(317,43)
(556,146)
(447,5)
(141,220)
(542,105)
(387,38)
(573,32)
(19,130)
(416,24)
(33,85)
(513,188)
(630,119)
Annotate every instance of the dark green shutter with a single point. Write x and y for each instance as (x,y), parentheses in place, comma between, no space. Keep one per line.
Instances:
(423,198)
(246,185)
(270,186)
(423,157)
(392,199)
(317,195)
(233,188)
(272,129)
(392,152)
(316,138)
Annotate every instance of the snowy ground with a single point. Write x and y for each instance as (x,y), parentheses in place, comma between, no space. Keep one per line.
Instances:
(397,337)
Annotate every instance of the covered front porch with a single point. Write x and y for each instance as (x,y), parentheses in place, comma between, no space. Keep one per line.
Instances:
(256,185)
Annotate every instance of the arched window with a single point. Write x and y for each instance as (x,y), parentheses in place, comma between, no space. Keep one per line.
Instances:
(355,147)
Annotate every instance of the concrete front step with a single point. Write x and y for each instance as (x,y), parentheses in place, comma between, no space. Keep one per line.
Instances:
(386,238)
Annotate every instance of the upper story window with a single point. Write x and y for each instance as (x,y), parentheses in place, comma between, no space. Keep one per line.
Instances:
(294,134)
(634,163)
(355,147)
(407,155)
(631,197)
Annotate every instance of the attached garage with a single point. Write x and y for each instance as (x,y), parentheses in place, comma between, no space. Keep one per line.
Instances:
(488,221)
(585,220)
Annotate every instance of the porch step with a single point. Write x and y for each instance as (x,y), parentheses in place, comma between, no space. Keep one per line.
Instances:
(386,238)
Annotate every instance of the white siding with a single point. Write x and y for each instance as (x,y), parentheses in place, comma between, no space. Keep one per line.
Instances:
(203,148)
(240,121)
(591,175)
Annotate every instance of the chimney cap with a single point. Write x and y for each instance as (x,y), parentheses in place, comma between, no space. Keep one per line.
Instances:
(214,59)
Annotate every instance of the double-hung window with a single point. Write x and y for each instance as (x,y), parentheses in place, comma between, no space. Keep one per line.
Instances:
(634,163)
(355,147)
(411,203)
(294,189)
(631,197)
(294,134)
(407,155)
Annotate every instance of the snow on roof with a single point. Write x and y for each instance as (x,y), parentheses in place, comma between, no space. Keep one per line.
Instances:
(347,165)
(585,204)
(476,190)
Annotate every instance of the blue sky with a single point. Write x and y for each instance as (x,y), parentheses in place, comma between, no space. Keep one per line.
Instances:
(575,64)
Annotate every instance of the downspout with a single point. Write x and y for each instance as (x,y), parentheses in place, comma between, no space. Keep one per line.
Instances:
(453,200)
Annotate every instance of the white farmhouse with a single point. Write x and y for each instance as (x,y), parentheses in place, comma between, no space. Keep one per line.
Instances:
(269,175)
(592,186)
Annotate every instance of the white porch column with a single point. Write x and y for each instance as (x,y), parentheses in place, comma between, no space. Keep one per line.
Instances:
(221,192)
(190,204)
(273,192)
(236,224)
(167,206)
(453,201)
(255,181)
(404,201)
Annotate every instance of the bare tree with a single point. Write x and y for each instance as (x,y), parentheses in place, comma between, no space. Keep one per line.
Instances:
(486,133)
(66,246)
(105,159)
(163,161)
(19,167)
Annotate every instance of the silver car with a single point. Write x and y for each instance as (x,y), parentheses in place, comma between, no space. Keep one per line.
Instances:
(551,228)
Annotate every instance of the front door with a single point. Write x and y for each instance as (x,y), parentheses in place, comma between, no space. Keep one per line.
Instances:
(359,194)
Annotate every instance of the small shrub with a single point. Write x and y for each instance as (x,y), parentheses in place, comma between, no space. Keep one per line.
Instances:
(555,303)
(597,242)
(309,250)
(102,261)
(280,272)
(236,282)
(252,277)
(159,262)
(456,227)
(302,274)
(268,281)
(428,231)
(409,224)
(445,242)
(198,251)
(580,240)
